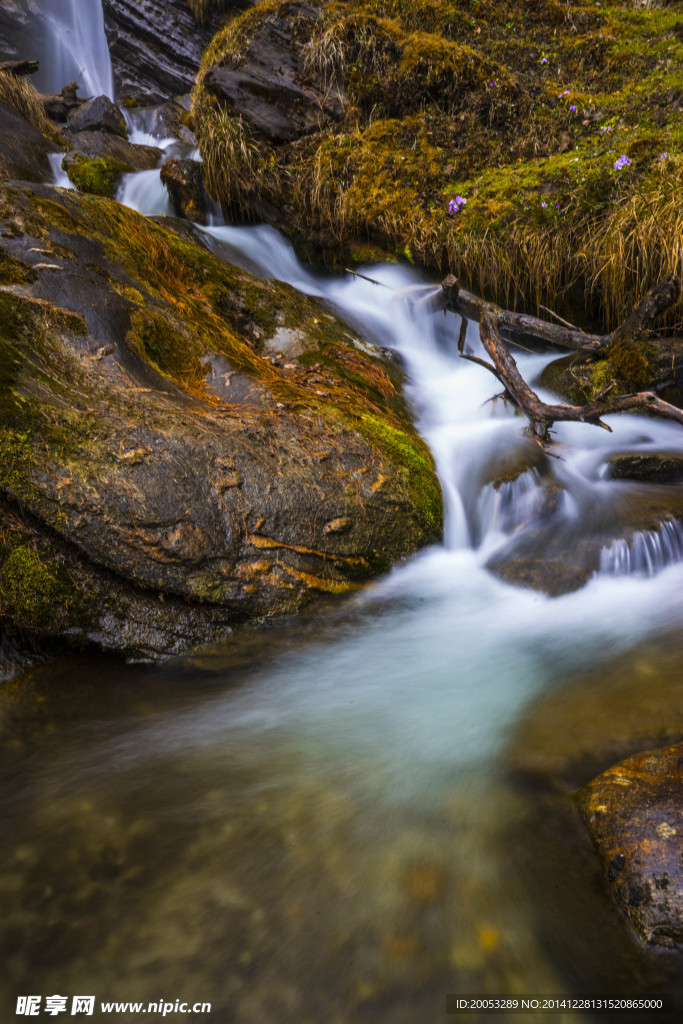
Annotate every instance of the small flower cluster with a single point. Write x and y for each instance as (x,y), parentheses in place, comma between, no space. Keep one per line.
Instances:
(573,109)
(544,60)
(606,128)
(561,94)
(622,162)
(455,204)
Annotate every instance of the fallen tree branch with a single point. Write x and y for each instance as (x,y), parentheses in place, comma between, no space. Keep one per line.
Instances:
(540,414)
(19,67)
(656,302)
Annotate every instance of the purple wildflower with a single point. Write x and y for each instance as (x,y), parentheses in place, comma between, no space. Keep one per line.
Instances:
(663,156)
(543,205)
(622,162)
(455,204)
(544,60)
(573,109)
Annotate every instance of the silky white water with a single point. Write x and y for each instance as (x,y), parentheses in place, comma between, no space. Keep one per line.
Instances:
(69,40)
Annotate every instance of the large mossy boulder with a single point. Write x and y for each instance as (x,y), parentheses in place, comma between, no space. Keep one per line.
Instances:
(523,109)
(170,460)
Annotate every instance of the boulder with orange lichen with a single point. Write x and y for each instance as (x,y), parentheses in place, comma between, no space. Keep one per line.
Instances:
(634,813)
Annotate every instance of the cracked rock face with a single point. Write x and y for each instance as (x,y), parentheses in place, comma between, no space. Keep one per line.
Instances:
(156,46)
(634,813)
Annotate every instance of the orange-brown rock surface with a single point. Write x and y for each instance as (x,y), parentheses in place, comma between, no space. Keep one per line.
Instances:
(634,812)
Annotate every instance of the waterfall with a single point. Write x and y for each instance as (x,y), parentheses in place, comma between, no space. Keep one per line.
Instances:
(72,46)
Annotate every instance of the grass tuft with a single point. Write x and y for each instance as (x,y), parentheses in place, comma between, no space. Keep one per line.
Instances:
(522,108)
(17,93)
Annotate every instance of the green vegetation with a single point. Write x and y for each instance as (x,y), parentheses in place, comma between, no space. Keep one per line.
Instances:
(95,175)
(523,109)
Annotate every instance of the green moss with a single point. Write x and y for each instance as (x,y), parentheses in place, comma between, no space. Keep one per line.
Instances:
(30,592)
(447,99)
(95,175)
(14,271)
(410,452)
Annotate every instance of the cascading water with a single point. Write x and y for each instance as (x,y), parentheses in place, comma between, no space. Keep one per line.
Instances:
(71,45)
(313,823)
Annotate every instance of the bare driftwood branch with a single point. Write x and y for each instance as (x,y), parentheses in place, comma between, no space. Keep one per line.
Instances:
(657,301)
(541,415)
(19,67)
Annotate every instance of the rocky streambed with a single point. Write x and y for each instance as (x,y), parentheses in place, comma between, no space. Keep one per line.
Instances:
(191,447)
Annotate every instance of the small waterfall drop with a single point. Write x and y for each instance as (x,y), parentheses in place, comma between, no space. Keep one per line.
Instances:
(72,46)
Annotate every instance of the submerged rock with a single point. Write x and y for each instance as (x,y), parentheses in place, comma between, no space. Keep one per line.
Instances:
(184,181)
(161,475)
(638,528)
(98,115)
(633,813)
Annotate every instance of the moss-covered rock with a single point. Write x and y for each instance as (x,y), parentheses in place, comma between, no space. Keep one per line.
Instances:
(95,175)
(163,464)
(634,365)
(522,109)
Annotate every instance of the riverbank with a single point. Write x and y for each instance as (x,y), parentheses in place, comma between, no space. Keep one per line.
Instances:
(535,150)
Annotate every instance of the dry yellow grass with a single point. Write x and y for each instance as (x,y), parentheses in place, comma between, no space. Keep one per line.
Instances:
(17,93)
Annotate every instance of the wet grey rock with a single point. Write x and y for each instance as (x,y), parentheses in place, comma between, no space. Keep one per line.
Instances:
(24,151)
(14,16)
(655,467)
(557,553)
(184,181)
(100,115)
(156,46)
(136,158)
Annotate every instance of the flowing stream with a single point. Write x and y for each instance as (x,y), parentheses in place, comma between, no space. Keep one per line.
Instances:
(319,820)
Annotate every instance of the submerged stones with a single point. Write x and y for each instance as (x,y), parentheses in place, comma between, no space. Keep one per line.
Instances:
(604,751)
(633,812)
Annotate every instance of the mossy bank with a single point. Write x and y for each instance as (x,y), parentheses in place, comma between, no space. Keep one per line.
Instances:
(183,445)
(558,124)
